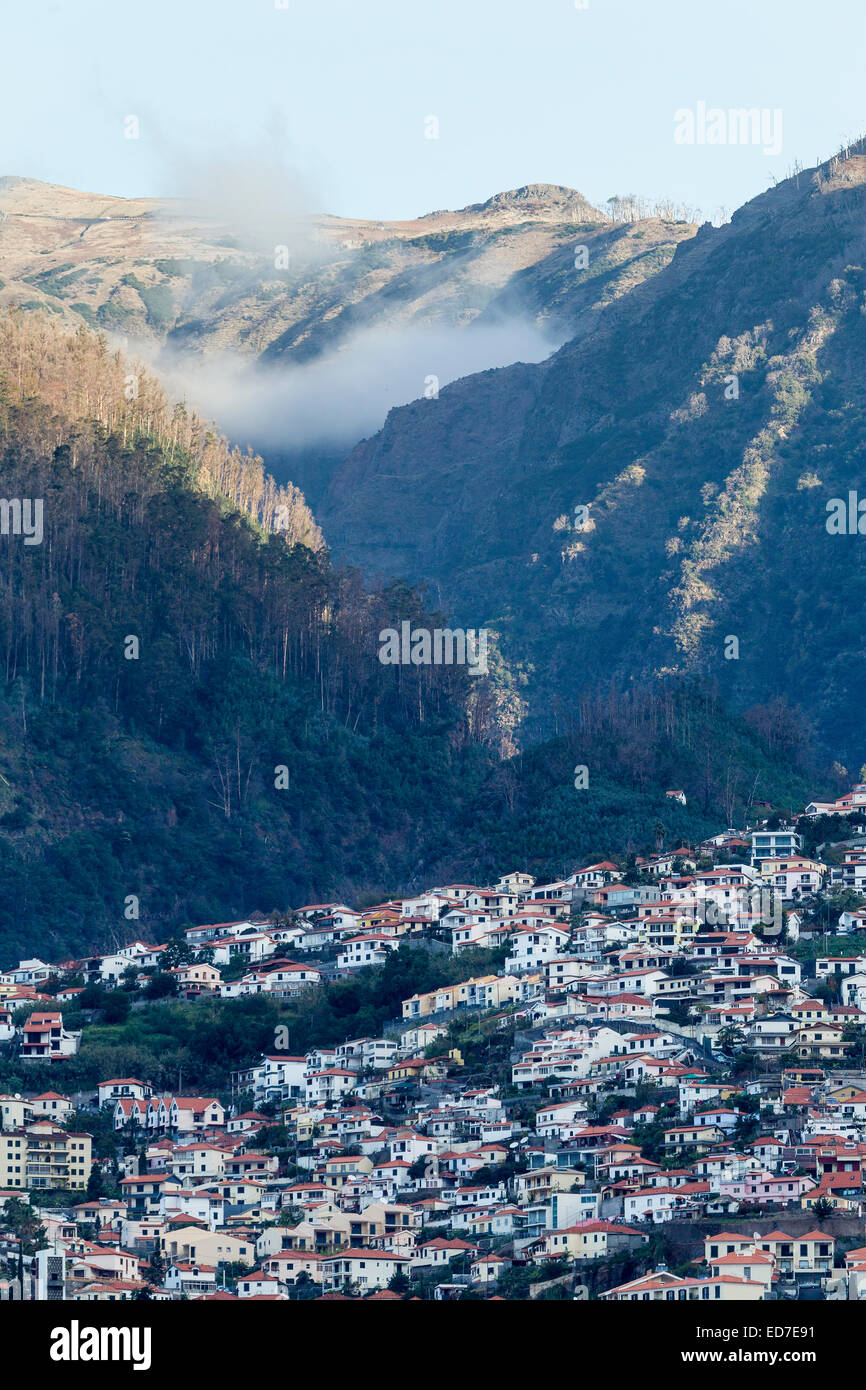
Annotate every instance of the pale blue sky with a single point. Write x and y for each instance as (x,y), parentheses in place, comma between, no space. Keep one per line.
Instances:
(524,91)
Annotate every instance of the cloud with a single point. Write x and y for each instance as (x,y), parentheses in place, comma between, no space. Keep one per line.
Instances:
(343,396)
(254,189)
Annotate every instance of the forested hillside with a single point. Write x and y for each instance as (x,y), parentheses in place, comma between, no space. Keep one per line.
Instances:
(167,661)
(195,724)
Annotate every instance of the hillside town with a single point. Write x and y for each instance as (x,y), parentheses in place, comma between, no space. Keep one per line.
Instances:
(656,1091)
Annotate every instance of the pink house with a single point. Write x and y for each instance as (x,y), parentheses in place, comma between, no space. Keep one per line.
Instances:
(766,1187)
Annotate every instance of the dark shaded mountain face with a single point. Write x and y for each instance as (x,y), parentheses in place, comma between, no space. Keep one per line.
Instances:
(660,486)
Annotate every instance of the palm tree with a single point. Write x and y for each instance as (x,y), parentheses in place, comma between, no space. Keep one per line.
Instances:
(731,1038)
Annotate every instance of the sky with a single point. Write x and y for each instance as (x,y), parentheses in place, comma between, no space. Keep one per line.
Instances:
(392,108)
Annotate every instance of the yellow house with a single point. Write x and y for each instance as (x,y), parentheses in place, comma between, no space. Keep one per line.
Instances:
(846,1092)
(379,917)
(812,1252)
(670,932)
(588,1241)
(537,1184)
(296,1118)
(384,1218)
(802,1076)
(207,1247)
(197,976)
(835,1199)
(755,1266)
(819,1040)
(694,1136)
(342,1169)
(419,1005)
(484,991)
(412,1068)
(332,1234)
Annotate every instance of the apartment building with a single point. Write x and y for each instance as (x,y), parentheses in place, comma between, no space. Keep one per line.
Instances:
(42,1155)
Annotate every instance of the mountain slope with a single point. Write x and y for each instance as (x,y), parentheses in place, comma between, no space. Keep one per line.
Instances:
(194,721)
(194,724)
(706,497)
(177,272)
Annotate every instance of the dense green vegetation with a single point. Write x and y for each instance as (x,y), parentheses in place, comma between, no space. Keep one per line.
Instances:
(206,1040)
(159,303)
(634,749)
(194,718)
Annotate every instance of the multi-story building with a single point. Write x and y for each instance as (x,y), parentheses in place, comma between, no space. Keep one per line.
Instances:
(775,844)
(42,1155)
(44,1039)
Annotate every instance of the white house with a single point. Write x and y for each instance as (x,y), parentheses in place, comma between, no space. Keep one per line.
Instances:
(28,972)
(854,991)
(44,1039)
(123,1088)
(325,1087)
(372,949)
(188,1113)
(365,1269)
(532,947)
(185,1276)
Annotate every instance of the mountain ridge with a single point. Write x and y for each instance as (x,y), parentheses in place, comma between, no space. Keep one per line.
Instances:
(686,492)
(163,270)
